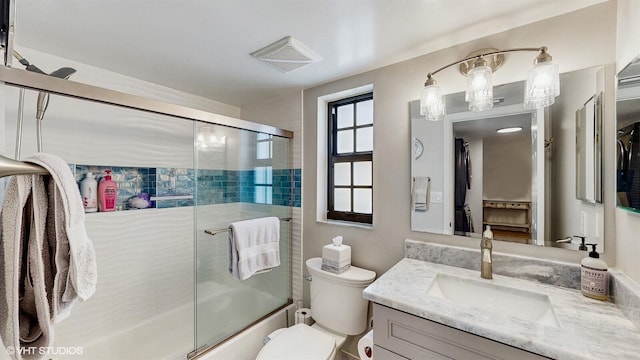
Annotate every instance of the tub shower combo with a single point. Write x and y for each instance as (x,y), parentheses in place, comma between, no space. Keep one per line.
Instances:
(164,290)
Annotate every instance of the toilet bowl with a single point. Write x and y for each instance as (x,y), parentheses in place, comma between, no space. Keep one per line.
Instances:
(338,310)
(300,342)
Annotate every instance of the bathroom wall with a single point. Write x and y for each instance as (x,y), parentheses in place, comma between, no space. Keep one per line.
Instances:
(627,223)
(110,80)
(577,40)
(431,164)
(507,168)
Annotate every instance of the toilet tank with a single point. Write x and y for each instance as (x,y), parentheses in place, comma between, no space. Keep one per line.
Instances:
(336,299)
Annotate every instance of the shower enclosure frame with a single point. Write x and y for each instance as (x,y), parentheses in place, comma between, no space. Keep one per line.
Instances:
(72,89)
(39,82)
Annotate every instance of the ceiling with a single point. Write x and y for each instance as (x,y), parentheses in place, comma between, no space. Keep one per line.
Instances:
(202,47)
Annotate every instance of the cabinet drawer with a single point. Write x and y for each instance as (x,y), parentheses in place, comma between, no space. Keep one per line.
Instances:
(420,339)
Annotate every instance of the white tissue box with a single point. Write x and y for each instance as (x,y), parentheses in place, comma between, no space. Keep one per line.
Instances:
(336,256)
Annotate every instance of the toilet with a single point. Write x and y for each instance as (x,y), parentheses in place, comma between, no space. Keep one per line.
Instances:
(338,309)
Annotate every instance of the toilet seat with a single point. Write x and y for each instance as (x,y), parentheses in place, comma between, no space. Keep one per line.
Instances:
(297,343)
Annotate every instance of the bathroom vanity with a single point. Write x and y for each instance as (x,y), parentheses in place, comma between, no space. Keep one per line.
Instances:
(427,310)
(411,337)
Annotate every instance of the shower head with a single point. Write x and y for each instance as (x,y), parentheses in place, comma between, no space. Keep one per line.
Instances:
(43,97)
(63,73)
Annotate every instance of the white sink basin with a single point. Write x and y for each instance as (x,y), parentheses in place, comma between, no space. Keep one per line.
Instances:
(487,296)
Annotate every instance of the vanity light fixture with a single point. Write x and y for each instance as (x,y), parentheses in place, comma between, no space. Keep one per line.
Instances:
(542,82)
(509,130)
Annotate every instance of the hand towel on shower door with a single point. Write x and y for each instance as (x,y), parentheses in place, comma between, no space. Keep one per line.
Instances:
(254,246)
(76,271)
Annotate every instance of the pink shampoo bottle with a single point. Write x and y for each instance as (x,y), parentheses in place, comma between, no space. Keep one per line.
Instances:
(107,193)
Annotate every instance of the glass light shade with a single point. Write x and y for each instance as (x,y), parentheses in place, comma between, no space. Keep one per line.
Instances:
(432,103)
(479,92)
(542,86)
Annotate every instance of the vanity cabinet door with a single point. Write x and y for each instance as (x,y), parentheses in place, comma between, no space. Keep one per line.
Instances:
(381,353)
(416,338)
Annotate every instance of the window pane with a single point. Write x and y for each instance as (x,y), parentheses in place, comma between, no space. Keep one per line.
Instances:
(362,173)
(364,112)
(342,199)
(263,150)
(345,141)
(263,175)
(362,201)
(364,139)
(342,174)
(262,136)
(345,116)
(264,195)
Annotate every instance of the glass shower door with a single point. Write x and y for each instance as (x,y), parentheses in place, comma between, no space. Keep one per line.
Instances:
(240,175)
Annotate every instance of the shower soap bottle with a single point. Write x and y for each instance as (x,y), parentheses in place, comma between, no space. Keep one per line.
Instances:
(89,193)
(107,193)
(594,278)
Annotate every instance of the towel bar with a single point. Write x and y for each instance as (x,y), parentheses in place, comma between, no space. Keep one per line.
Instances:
(218,231)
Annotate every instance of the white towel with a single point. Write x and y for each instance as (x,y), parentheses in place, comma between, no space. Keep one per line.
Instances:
(254,246)
(421,190)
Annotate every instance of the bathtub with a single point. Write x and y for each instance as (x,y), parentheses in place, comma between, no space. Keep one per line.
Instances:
(170,335)
(246,344)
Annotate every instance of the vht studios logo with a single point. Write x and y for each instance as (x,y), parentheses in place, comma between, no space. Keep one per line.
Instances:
(49,350)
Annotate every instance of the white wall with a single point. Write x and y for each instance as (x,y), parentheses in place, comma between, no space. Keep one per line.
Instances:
(507,167)
(429,164)
(577,40)
(627,224)
(92,75)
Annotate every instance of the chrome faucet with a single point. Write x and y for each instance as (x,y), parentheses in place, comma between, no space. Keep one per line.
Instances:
(486,244)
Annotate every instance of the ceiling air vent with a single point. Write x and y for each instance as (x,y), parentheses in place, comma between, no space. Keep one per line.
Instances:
(286,54)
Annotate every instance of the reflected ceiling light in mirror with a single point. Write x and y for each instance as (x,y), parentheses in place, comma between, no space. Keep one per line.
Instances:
(541,88)
(208,140)
(509,130)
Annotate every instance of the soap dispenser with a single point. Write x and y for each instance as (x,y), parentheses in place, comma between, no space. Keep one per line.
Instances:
(107,193)
(594,277)
(89,193)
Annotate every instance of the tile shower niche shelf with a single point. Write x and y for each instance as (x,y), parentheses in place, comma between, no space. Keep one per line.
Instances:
(171,197)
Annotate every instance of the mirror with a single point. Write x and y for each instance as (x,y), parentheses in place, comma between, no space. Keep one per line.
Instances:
(628,137)
(589,150)
(538,183)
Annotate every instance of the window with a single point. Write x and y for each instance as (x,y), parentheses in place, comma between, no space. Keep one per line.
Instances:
(263,185)
(264,146)
(350,173)
(263,175)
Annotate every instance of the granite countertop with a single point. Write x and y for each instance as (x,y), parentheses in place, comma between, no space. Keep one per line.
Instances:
(588,329)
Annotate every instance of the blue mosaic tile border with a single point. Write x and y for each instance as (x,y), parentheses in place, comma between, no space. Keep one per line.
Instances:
(187,187)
